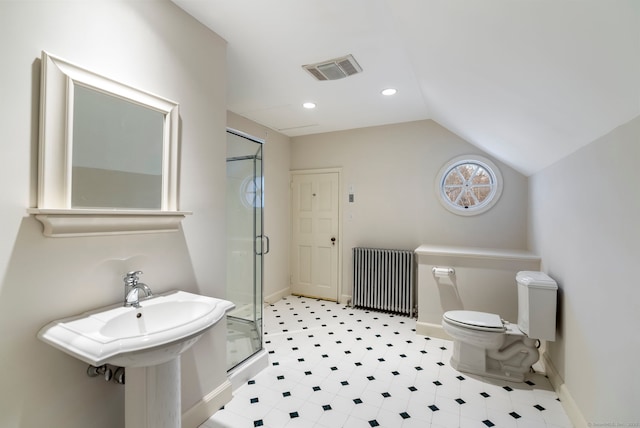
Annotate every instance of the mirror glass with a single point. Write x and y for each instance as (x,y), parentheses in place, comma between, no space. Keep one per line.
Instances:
(117,152)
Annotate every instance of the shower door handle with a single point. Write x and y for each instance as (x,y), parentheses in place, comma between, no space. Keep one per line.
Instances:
(268,244)
(263,239)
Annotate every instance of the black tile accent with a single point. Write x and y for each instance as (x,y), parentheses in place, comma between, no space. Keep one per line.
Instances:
(357,401)
(413,389)
(251,382)
(440,363)
(381,359)
(334,368)
(325,356)
(460,377)
(316,388)
(286,394)
(405,415)
(515,415)
(488,423)
(386,395)
(485,395)
(281,377)
(418,368)
(344,383)
(254,400)
(326,407)
(539,407)
(528,382)
(258,423)
(307,373)
(507,388)
(437,383)
(371,378)
(434,408)
(294,415)
(460,401)
(395,373)
(374,423)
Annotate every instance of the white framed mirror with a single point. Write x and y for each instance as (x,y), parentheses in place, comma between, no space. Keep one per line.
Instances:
(108,155)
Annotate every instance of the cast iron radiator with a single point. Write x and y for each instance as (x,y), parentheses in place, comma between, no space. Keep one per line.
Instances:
(384,280)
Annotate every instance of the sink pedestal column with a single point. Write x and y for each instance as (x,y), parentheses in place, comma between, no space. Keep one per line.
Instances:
(152,396)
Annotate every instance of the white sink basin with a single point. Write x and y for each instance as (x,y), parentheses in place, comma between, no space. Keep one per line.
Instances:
(159,330)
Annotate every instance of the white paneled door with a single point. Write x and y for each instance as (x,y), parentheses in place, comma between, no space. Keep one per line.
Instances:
(315,199)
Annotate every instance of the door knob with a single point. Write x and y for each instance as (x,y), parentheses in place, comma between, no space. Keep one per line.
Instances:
(333,240)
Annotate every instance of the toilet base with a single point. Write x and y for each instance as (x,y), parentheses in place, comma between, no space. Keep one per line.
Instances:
(512,362)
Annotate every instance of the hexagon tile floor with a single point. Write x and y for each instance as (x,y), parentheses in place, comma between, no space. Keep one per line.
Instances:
(334,366)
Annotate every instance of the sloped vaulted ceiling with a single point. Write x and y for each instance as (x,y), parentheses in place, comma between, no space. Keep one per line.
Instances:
(528,81)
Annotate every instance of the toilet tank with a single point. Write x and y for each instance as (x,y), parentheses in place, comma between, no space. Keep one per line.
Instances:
(537,296)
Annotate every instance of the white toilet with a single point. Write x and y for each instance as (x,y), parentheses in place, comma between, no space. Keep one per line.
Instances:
(486,345)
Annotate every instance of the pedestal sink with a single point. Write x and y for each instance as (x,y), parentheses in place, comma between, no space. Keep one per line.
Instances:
(147,341)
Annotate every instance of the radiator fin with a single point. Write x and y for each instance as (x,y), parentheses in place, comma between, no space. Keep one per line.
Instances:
(384,280)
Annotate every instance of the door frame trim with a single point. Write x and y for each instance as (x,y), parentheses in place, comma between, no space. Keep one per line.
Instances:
(337,170)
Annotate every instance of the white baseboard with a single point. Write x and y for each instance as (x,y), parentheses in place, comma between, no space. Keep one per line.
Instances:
(346,299)
(205,408)
(567,401)
(274,297)
(431,330)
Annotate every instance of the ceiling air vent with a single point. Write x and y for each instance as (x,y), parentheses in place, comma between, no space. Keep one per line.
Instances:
(334,69)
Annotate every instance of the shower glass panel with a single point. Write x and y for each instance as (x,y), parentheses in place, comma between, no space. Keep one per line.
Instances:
(246,244)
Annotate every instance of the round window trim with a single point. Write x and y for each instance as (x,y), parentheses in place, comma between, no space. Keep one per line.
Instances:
(469,185)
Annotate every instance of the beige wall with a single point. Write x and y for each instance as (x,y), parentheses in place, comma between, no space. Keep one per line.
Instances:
(584,224)
(276,213)
(392,170)
(155,46)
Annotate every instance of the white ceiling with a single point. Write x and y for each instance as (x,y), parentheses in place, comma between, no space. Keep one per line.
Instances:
(528,81)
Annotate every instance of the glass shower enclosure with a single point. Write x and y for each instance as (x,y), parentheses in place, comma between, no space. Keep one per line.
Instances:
(246,246)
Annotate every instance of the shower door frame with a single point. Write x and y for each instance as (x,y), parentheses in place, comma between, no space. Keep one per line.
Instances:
(260,240)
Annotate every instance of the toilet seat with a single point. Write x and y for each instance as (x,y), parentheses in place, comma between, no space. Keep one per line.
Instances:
(474,320)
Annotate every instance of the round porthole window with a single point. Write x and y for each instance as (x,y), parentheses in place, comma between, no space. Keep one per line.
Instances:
(469,185)
(251,192)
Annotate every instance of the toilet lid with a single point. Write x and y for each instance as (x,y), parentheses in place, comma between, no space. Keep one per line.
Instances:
(477,320)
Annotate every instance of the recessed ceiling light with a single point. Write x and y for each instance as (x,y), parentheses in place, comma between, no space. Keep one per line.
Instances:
(309,105)
(389,91)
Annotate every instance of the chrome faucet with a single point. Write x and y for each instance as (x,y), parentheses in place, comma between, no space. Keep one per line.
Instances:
(132,288)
